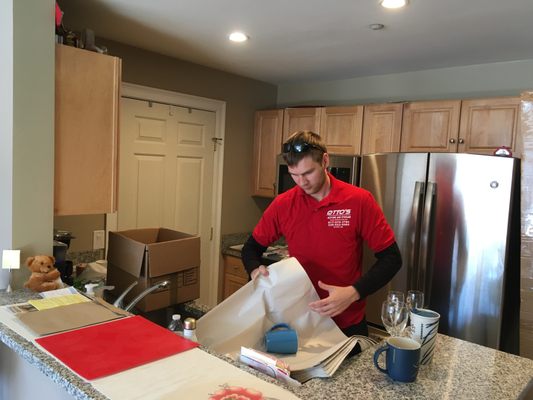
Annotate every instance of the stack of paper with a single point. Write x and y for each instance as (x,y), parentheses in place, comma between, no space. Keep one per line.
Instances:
(283,296)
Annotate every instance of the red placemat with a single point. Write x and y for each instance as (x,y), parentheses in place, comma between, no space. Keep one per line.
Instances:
(101,350)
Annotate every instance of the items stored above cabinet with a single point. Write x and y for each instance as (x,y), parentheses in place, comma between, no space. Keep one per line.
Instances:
(86,131)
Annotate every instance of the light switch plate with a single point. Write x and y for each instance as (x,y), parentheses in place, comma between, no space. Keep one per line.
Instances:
(98,239)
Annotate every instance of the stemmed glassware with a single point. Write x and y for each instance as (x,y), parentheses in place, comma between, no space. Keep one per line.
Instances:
(396,296)
(394,316)
(415,299)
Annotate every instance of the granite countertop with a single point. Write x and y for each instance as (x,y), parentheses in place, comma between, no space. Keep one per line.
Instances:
(240,238)
(459,370)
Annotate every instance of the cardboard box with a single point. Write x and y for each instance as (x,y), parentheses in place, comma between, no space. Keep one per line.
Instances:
(150,256)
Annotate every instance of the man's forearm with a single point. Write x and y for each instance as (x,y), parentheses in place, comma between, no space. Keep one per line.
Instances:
(251,254)
(388,263)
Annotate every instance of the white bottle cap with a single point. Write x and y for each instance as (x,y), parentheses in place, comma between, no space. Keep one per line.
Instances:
(176,317)
(89,288)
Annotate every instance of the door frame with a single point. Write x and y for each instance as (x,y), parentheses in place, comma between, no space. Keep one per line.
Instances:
(146,93)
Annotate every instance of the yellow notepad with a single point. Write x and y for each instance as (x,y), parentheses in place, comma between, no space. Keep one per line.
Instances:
(59,301)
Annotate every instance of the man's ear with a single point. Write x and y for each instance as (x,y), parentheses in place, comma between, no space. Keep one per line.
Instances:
(325,160)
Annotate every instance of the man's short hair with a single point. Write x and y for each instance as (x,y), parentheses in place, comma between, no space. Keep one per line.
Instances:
(301,144)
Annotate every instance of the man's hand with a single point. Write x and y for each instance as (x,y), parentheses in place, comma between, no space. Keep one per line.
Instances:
(340,297)
(259,270)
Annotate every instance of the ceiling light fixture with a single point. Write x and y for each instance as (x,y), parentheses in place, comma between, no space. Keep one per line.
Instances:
(393,3)
(238,37)
(376,27)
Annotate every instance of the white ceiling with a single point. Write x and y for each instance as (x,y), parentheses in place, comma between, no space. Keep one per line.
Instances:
(310,40)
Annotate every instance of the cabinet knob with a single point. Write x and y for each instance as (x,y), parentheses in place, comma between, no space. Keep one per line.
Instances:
(461,140)
(452,141)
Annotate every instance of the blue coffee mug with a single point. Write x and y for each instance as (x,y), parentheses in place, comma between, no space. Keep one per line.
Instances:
(402,358)
(281,338)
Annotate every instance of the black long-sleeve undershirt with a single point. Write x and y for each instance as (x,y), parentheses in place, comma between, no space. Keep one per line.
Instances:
(388,263)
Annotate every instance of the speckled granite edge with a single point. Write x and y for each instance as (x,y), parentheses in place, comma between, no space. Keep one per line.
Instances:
(460,370)
(233,239)
(49,366)
(45,363)
(63,376)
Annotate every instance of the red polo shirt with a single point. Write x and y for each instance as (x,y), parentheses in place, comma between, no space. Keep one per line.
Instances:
(326,236)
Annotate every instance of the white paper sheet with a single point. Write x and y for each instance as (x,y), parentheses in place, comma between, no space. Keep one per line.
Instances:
(283,296)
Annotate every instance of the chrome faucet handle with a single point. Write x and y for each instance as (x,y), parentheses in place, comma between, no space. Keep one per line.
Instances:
(119,302)
(140,296)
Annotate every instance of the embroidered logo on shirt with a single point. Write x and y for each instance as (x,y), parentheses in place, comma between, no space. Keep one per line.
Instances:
(339,218)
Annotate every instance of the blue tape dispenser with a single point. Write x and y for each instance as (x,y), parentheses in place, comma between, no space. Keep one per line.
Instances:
(281,338)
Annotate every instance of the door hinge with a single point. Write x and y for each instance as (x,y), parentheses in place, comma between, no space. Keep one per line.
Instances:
(211,235)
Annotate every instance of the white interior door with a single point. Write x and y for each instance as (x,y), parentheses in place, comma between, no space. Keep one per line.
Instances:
(166,174)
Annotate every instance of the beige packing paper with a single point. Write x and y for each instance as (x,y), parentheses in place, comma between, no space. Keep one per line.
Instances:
(282,296)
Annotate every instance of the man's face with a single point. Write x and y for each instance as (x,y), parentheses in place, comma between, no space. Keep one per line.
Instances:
(309,175)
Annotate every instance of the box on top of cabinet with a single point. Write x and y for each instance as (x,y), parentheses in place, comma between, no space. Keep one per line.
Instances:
(152,255)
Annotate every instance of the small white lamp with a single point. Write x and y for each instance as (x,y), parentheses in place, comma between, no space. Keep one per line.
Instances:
(10,260)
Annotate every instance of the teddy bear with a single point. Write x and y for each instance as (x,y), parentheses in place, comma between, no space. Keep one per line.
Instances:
(44,275)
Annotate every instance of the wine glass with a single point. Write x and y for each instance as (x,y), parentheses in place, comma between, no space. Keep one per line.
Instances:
(415,299)
(396,296)
(394,317)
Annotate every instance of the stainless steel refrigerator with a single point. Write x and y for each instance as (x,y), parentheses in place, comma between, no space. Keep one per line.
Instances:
(456,221)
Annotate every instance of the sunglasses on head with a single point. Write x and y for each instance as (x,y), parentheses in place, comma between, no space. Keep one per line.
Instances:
(298,147)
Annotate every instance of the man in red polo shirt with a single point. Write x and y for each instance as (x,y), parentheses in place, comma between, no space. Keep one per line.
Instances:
(324,222)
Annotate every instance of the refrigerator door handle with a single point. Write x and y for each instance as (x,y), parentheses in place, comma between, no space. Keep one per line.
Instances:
(426,233)
(412,257)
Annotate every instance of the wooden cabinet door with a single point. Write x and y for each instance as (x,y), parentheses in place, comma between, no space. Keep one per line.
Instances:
(86,131)
(300,119)
(235,276)
(430,126)
(340,128)
(487,124)
(382,128)
(267,144)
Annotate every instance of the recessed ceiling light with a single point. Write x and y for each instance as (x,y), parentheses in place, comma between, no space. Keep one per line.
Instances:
(238,37)
(393,3)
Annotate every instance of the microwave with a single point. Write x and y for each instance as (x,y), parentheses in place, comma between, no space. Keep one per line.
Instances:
(344,168)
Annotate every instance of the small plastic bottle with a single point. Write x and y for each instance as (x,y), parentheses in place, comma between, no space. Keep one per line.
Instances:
(189,331)
(175,325)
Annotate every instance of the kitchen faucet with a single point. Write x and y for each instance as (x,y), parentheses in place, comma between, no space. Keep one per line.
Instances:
(119,302)
(140,296)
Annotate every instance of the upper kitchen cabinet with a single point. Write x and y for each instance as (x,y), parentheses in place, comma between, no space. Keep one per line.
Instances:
(86,131)
(431,126)
(382,128)
(301,119)
(267,144)
(487,124)
(341,128)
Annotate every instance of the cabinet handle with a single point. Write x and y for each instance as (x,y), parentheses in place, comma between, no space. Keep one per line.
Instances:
(452,141)
(461,140)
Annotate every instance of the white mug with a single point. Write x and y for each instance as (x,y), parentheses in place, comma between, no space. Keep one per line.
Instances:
(424,327)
